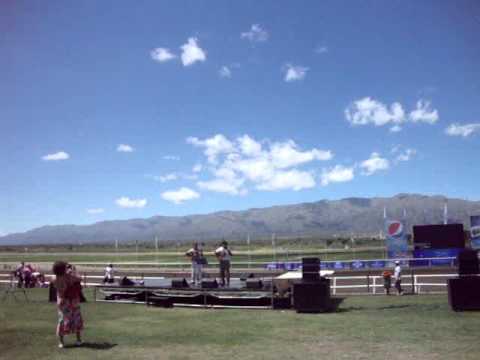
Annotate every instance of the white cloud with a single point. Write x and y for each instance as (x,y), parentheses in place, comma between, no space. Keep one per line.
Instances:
(370,111)
(249,146)
(191,52)
(236,165)
(321,50)
(181,195)
(171,157)
(225,72)
(395,128)
(256,34)
(61,155)
(162,55)
(336,174)
(167,177)
(214,146)
(126,202)
(197,168)
(294,73)
(224,185)
(406,155)
(374,164)
(462,130)
(95,211)
(125,148)
(395,149)
(172,176)
(423,113)
(291,179)
(286,154)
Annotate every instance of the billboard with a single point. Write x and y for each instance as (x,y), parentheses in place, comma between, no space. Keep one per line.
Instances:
(438,236)
(396,239)
(475,231)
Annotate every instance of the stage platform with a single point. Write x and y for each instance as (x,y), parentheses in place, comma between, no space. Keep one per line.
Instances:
(251,293)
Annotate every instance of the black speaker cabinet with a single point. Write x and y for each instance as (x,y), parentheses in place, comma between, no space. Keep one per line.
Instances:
(311,269)
(254,284)
(464,293)
(179,283)
(468,262)
(312,297)
(209,284)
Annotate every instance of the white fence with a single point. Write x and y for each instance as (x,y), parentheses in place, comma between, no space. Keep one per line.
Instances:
(340,285)
(374,284)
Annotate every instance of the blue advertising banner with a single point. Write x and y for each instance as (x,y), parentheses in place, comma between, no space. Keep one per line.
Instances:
(376,264)
(396,239)
(475,231)
(355,265)
(436,253)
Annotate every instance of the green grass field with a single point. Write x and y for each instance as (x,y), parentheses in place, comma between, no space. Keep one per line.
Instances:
(408,327)
(258,255)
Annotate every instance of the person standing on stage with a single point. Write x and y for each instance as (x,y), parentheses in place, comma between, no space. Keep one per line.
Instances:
(109,274)
(195,254)
(397,275)
(224,255)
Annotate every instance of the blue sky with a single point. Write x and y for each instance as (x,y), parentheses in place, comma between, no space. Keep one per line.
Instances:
(116,110)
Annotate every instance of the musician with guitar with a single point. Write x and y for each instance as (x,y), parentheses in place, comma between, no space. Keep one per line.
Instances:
(224,254)
(195,254)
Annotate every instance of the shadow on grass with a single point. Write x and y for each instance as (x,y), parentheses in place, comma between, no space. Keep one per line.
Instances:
(390,307)
(93,345)
(361,308)
(351,308)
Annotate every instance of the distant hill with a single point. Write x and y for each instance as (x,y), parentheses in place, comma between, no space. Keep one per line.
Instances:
(359,216)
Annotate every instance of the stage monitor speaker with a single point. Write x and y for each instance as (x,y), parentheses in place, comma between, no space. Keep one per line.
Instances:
(311,269)
(254,284)
(464,293)
(179,283)
(468,262)
(209,284)
(312,297)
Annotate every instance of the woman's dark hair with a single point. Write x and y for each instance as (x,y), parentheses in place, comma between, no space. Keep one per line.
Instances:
(59,268)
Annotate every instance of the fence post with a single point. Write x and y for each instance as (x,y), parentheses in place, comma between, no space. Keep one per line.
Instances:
(334,285)
(374,285)
(95,293)
(368,282)
(412,276)
(272,293)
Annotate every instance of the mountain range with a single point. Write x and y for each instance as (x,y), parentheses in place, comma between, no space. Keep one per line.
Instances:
(350,216)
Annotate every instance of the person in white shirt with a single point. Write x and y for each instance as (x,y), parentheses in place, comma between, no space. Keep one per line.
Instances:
(224,255)
(109,274)
(397,275)
(195,254)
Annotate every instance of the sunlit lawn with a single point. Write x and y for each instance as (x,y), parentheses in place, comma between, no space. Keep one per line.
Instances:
(408,327)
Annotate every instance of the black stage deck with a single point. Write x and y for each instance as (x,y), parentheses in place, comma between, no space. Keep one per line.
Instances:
(160,292)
